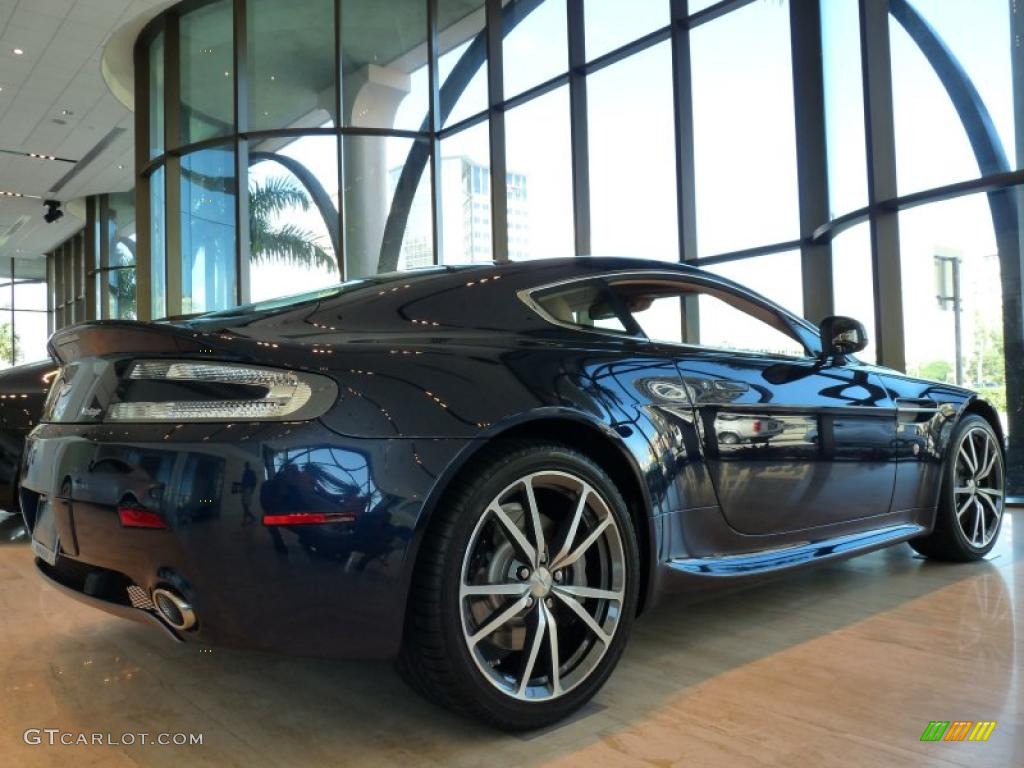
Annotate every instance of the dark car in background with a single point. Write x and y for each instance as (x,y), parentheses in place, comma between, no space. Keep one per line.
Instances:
(485,472)
(22,392)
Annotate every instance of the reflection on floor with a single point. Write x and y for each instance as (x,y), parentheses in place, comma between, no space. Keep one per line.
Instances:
(12,529)
(842,666)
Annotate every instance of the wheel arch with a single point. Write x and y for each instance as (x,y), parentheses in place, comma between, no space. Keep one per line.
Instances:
(597,441)
(982,407)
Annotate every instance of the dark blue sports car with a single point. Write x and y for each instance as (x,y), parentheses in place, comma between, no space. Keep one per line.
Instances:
(486,472)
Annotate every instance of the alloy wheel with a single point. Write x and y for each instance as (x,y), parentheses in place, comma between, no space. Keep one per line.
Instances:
(978,486)
(542,585)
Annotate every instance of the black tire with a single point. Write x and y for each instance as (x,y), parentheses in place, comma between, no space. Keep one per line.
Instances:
(436,659)
(948,540)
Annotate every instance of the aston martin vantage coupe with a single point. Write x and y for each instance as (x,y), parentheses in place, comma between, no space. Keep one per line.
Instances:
(486,472)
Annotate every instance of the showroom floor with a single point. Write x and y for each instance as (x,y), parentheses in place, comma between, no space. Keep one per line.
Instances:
(843,666)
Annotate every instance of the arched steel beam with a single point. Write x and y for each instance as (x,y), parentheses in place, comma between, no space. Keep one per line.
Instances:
(991,157)
(458,79)
(316,191)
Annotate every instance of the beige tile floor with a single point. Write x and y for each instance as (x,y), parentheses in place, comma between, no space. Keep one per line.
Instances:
(842,666)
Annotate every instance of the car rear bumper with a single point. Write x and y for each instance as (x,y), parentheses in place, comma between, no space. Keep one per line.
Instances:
(335,589)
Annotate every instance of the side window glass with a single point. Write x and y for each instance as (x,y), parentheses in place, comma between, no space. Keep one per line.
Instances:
(585,306)
(723,326)
(726,321)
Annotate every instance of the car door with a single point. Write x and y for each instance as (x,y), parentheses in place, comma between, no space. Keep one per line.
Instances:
(791,440)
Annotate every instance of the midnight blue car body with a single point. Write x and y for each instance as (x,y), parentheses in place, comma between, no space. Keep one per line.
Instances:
(430,367)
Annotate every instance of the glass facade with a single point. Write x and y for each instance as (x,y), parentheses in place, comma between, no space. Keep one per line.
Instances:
(806,151)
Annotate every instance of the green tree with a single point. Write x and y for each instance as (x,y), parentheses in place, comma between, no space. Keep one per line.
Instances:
(8,342)
(936,370)
(987,366)
(271,240)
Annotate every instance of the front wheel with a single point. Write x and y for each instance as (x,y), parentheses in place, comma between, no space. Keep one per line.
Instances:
(970,511)
(525,588)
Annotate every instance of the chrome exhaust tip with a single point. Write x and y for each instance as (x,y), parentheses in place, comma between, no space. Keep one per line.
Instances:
(174,609)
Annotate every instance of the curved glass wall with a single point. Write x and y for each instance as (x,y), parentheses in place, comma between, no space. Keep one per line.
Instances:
(291,145)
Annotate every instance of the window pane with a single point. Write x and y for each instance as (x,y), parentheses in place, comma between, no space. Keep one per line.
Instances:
(852,281)
(374,165)
(207,73)
(462,64)
(776,276)
(121,228)
(745,149)
(536,46)
(539,160)
(935,241)
(156,96)
(31,333)
(466,197)
(291,63)
(30,295)
(844,107)
(632,146)
(120,234)
(932,147)
(417,237)
(158,244)
(384,60)
(610,24)
(293,219)
(208,231)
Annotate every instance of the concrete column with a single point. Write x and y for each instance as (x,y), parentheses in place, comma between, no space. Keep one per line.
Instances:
(371,97)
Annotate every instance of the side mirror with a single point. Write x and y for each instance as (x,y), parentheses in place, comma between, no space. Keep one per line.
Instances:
(842,335)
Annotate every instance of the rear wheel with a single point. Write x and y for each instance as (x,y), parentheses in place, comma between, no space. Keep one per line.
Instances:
(970,512)
(524,590)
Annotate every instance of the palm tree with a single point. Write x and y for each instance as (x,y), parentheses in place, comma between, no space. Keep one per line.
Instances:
(270,241)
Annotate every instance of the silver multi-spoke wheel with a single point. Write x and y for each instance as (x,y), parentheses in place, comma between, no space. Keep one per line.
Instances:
(978,486)
(542,585)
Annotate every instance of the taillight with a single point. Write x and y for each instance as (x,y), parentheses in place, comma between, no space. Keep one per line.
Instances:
(139,517)
(757,426)
(184,391)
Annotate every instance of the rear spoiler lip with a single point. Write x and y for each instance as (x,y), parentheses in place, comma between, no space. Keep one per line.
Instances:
(103,338)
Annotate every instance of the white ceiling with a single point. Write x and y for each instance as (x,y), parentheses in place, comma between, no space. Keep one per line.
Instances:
(55,102)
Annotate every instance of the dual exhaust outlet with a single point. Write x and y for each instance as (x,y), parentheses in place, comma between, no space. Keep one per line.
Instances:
(174,609)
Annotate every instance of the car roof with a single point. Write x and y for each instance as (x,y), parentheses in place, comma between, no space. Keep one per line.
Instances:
(481,297)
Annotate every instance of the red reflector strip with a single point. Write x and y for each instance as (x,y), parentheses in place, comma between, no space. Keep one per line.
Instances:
(309,518)
(136,517)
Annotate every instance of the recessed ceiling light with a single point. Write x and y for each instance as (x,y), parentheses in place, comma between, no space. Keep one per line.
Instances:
(66,112)
(17,51)
(120,166)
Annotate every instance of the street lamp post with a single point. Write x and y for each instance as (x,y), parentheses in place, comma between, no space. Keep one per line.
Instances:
(947,273)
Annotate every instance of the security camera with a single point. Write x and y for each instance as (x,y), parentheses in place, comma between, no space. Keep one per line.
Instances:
(53,211)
